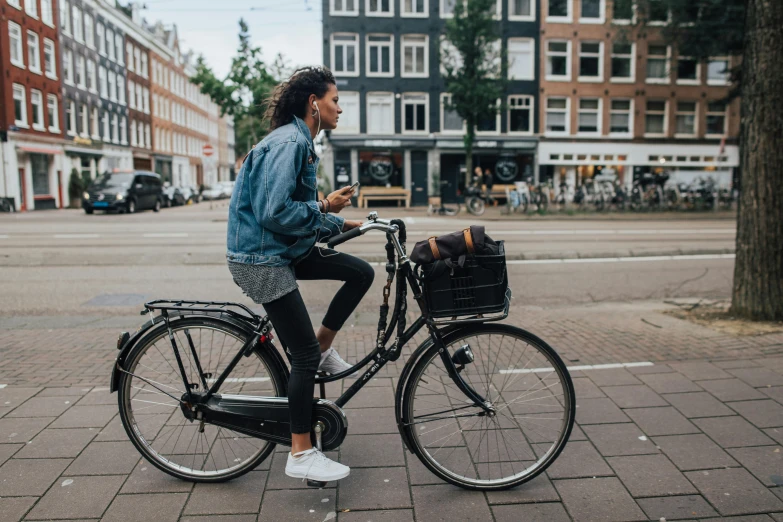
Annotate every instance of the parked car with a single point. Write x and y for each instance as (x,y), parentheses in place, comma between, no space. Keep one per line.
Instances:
(228,188)
(191,194)
(173,197)
(211,192)
(124,191)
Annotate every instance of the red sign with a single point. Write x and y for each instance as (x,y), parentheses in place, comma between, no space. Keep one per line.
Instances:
(207,150)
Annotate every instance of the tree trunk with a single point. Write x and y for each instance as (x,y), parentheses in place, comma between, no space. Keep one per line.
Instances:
(469,139)
(758,270)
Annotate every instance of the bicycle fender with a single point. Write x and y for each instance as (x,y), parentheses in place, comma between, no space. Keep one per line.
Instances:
(125,348)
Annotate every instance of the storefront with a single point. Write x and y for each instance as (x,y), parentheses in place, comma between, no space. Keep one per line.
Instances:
(142,161)
(162,165)
(40,183)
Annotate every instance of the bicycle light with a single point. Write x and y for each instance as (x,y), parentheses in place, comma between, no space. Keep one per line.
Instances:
(463,356)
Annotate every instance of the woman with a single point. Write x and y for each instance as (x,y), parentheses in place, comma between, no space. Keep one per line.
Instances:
(274,223)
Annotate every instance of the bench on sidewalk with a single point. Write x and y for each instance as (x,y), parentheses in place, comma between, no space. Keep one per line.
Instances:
(399,194)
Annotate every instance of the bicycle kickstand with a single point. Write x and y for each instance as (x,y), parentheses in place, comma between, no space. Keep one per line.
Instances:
(318,429)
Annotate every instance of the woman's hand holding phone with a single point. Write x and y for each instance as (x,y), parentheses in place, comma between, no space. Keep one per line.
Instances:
(339,199)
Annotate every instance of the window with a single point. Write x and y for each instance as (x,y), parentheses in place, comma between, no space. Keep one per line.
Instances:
(92,85)
(449,55)
(490,122)
(68,66)
(123,131)
(36,103)
(520,114)
(657,64)
(718,71)
(345,54)
(115,129)
(716,118)
(379,7)
(100,35)
(593,11)
(15,3)
(521,10)
(133,140)
(129,58)
(144,71)
(20,106)
(447,8)
(147,135)
(120,89)
(557,110)
(112,86)
(685,120)
(344,7)
(102,82)
(380,55)
(31,8)
(349,119)
(687,70)
(450,121)
(95,124)
(521,59)
(380,113)
(15,40)
(655,118)
(85,121)
(146,98)
(622,62)
(89,34)
(414,8)
(80,71)
(415,108)
(52,113)
(415,56)
(622,13)
(620,117)
(118,49)
(70,118)
(558,60)
(591,61)
(33,52)
(65,18)
(50,61)
(589,116)
(659,13)
(559,10)
(110,45)
(136,59)
(76,19)
(47,13)
(106,132)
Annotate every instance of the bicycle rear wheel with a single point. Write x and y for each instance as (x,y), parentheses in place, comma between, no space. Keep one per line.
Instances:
(529,389)
(150,399)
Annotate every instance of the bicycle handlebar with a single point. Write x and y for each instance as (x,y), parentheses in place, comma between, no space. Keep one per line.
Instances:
(374,223)
(345,236)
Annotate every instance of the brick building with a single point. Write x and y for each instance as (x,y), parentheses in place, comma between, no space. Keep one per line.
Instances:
(139,107)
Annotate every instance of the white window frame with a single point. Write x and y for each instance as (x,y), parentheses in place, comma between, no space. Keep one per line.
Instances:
(41,126)
(77,24)
(624,21)
(405,42)
(412,14)
(665,118)
(106,128)
(92,77)
(446,47)
(52,52)
(443,97)
(15,28)
(592,79)
(89,31)
(531,107)
(697,80)
(497,130)
(567,19)
(598,112)
(388,96)
(34,51)
(47,12)
(68,70)
(95,124)
(660,22)
(522,18)
(85,117)
(31,8)
(601,17)
(407,101)
(378,14)
(144,65)
(442,8)
(569,65)
(667,79)
(71,119)
(354,96)
(103,82)
(630,118)
(81,67)
(145,92)
(123,131)
(119,52)
(695,114)
(129,56)
(120,89)
(53,106)
(632,78)
(567,111)
(110,50)
(368,52)
(147,136)
(727,73)
(532,72)
(20,94)
(115,128)
(15,3)
(344,12)
(708,113)
(345,43)
(65,17)
(133,141)
(100,35)
(112,77)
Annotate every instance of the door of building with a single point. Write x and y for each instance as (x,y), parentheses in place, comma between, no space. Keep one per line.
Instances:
(452,168)
(418,177)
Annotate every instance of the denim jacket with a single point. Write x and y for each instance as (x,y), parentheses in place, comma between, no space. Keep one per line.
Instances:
(273,217)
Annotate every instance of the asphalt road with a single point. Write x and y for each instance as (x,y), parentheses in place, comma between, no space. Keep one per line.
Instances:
(67,263)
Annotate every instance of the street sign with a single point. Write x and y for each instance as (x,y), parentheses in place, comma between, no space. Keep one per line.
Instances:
(207,150)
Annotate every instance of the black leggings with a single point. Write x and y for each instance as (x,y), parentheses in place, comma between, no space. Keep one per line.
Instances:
(292,322)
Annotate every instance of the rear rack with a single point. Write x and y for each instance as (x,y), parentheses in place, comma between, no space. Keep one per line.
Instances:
(236,310)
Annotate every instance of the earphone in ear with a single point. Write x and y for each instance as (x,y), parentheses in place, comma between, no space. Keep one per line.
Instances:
(315,105)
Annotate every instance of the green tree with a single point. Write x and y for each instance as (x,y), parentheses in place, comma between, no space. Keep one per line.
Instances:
(474,68)
(752,29)
(242,92)
(75,188)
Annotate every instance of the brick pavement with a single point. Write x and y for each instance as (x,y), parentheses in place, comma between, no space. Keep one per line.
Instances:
(697,435)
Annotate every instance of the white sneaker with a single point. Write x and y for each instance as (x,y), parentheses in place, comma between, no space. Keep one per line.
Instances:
(314,465)
(332,363)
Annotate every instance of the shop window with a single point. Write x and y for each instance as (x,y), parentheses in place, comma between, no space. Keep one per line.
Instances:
(380,55)
(380,113)
(686,118)
(521,59)
(623,62)
(592,11)
(589,116)
(380,168)
(655,118)
(591,61)
(52,113)
(39,164)
(345,53)
(415,109)
(558,60)
(349,119)
(687,70)
(15,41)
(657,63)
(718,71)
(559,10)
(557,115)
(414,8)
(36,103)
(620,117)
(450,120)
(716,118)
(415,56)
(520,114)
(379,7)
(33,52)
(521,10)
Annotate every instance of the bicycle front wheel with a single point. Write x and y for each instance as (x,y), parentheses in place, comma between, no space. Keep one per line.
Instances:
(475,206)
(532,409)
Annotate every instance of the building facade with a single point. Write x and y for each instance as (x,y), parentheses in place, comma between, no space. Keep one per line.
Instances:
(616,99)
(394,130)
(226,154)
(137,58)
(32,167)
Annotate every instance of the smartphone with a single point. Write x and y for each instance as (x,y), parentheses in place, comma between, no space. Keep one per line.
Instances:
(355,186)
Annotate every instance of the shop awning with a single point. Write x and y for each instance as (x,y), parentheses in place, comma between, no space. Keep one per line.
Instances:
(37,150)
(80,150)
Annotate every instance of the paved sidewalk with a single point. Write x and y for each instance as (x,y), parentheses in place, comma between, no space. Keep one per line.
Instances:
(697,435)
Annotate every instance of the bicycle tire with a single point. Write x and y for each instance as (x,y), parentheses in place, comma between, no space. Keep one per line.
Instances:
(415,436)
(127,415)
(475,206)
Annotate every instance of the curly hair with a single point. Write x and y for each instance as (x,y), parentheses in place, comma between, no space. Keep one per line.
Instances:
(289,98)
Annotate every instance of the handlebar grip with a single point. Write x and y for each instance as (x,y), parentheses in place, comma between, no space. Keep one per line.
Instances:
(345,236)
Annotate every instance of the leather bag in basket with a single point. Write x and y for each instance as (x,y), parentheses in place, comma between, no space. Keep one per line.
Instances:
(453,246)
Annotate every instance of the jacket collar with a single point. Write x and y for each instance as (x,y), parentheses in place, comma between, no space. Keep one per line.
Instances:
(305,130)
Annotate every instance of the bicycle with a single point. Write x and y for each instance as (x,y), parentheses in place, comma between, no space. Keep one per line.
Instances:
(443,210)
(484,406)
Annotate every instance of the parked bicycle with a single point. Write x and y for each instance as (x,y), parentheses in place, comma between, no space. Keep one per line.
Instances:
(202,386)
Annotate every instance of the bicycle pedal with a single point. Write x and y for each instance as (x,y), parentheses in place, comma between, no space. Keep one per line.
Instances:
(316,484)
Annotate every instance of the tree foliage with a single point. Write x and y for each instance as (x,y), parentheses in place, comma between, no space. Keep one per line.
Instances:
(474,67)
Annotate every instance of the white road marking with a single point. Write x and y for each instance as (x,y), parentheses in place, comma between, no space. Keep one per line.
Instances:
(409,220)
(242,379)
(3,236)
(694,257)
(582,367)
(76,236)
(168,234)
(3,386)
